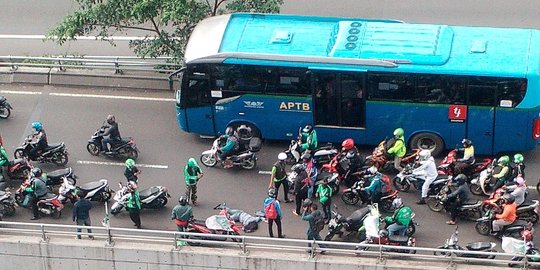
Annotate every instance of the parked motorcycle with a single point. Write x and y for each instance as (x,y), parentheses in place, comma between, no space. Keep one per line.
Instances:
(350,225)
(5,108)
(484,226)
(154,197)
(524,245)
(97,190)
(67,192)
(245,159)
(383,161)
(124,149)
(484,183)
(50,205)
(54,153)
(17,169)
(447,166)
(56,177)
(468,210)
(214,225)
(7,204)
(452,244)
(374,235)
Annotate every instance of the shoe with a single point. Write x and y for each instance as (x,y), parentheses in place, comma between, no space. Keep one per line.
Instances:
(91,237)
(78,237)
(294,212)
(139,227)
(35,218)
(195,204)
(451,222)
(281,236)
(421,201)
(323,252)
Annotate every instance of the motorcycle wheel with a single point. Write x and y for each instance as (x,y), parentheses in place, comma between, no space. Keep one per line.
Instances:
(249,164)
(5,112)
(349,198)
(160,202)
(482,228)
(93,149)
(476,189)
(411,229)
(9,209)
(434,204)
(19,153)
(234,233)
(538,187)
(208,160)
(403,187)
(56,214)
(59,159)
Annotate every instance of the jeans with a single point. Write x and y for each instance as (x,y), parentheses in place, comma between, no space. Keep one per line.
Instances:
(400,229)
(498,224)
(84,222)
(315,236)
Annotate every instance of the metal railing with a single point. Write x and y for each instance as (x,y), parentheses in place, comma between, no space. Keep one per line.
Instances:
(245,244)
(117,63)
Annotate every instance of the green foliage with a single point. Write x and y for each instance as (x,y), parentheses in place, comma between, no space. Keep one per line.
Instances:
(165,24)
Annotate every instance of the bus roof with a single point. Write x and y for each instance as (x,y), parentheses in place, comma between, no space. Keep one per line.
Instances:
(361,43)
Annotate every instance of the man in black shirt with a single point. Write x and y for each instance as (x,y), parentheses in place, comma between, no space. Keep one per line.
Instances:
(111,131)
(81,215)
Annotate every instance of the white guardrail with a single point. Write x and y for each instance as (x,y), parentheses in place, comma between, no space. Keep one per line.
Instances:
(247,243)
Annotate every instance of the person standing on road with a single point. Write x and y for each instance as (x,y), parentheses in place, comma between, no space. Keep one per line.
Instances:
(272,212)
(134,206)
(324,193)
(81,215)
(131,172)
(192,175)
(314,218)
(181,214)
(311,171)
(279,177)
(38,189)
(301,185)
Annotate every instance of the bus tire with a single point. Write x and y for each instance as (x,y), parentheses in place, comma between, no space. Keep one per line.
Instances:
(434,142)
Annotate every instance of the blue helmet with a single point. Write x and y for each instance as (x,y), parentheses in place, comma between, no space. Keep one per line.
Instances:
(37,126)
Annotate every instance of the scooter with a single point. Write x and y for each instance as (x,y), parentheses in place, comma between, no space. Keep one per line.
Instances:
(484,226)
(54,153)
(155,197)
(214,225)
(452,244)
(447,166)
(17,169)
(382,160)
(484,183)
(97,190)
(340,225)
(354,194)
(320,155)
(56,177)
(245,159)
(50,205)
(471,209)
(526,211)
(340,165)
(404,179)
(67,192)
(7,204)
(524,245)
(5,108)
(126,148)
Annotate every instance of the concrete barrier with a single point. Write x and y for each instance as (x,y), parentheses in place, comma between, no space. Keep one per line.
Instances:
(28,252)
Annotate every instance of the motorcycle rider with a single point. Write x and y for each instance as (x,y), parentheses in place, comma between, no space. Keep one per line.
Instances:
(134,206)
(508,215)
(311,170)
(468,156)
(230,147)
(279,177)
(112,131)
(39,140)
(351,154)
(504,174)
(400,220)
(458,197)
(324,193)
(38,189)
(428,169)
(192,174)
(131,172)
(518,168)
(301,185)
(181,214)
(374,189)
(398,148)
(308,138)
(518,190)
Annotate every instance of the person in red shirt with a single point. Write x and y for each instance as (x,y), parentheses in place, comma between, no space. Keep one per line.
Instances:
(508,215)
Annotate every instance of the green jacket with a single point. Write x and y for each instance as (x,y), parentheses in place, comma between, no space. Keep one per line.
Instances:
(402,216)
(182,212)
(324,192)
(134,201)
(398,149)
(309,141)
(191,174)
(3,156)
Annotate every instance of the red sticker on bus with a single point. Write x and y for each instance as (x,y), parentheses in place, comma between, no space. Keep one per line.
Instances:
(457,113)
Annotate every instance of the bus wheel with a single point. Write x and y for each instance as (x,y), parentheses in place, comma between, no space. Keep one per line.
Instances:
(428,141)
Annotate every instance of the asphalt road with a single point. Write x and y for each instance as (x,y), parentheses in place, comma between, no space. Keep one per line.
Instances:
(37,17)
(71,115)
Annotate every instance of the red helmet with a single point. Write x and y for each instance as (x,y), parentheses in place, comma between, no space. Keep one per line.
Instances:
(347,144)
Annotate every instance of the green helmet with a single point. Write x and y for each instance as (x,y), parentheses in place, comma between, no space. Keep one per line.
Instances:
(518,158)
(399,132)
(192,162)
(130,163)
(504,160)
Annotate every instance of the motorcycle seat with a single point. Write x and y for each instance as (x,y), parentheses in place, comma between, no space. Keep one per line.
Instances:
(255,144)
(59,173)
(479,246)
(143,194)
(16,161)
(357,216)
(90,186)
(48,196)
(398,238)
(387,195)
(470,202)
(53,146)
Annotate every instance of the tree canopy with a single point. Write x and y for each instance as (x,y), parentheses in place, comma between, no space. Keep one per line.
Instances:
(164,24)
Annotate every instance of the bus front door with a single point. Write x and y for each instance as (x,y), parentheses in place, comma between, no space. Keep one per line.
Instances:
(199,109)
(480,124)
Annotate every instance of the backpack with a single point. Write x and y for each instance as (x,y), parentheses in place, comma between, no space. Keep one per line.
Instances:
(319,223)
(385,184)
(270,211)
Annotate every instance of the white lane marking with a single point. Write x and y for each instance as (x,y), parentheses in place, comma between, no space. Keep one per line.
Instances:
(88,162)
(532,187)
(265,172)
(19,92)
(111,97)
(126,38)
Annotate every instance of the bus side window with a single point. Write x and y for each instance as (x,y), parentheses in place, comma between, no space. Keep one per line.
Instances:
(510,92)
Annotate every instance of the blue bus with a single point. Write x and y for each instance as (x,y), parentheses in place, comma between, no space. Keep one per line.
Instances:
(360,79)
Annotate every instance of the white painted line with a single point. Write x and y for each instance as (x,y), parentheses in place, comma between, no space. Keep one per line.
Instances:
(531,187)
(88,162)
(19,92)
(265,172)
(126,38)
(111,97)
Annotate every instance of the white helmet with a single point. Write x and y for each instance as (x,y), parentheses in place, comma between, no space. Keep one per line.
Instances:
(282,156)
(425,154)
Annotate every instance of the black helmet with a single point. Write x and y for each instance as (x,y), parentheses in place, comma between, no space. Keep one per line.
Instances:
(306,155)
(307,129)
(229,131)
(460,179)
(509,198)
(307,202)
(182,200)
(272,193)
(111,119)
(36,172)
(466,142)
(297,168)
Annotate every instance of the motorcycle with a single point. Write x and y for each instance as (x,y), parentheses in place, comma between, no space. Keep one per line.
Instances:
(340,165)
(484,226)
(7,204)
(56,177)
(320,155)
(526,211)
(406,178)
(524,245)
(485,182)
(54,153)
(126,148)
(17,169)
(5,108)
(452,244)
(381,237)
(447,166)
(468,210)
(155,197)
(214,225)
(245,159)
(383,161)
(97,190)
(67,191)
(50,205)
(354,194)
(339,224)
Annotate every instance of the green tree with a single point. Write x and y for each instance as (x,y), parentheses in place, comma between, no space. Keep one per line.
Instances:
(165,24)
